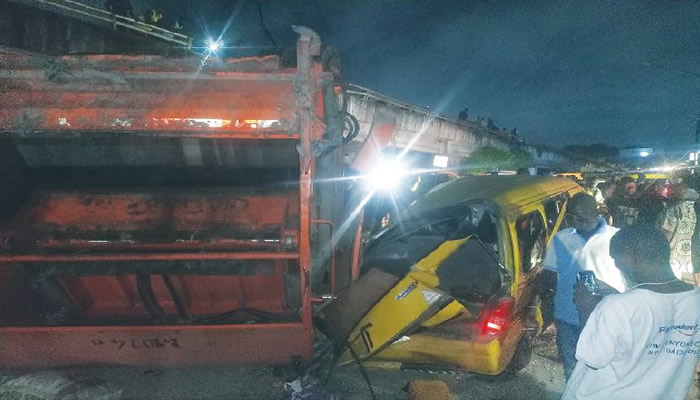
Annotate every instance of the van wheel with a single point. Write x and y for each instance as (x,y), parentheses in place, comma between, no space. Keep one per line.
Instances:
(521,359)
(523,354)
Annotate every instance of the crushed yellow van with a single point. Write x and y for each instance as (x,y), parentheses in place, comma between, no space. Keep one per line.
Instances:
(451,284)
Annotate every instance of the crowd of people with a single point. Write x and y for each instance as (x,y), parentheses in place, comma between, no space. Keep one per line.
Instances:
(669,203)
(636,335)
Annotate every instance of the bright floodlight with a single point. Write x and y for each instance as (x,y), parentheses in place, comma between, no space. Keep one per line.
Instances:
(644,154)
(386,175)
(213,46)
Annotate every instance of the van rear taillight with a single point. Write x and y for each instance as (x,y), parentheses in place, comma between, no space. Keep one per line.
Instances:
(497,316)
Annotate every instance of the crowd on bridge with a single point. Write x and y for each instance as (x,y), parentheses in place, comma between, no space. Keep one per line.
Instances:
(512,135)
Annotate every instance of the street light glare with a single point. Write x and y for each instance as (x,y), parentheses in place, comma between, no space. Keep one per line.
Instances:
(644,154)
(386,176)
(213,46)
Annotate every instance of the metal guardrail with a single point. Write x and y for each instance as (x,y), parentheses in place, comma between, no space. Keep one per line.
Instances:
(369,93)
(116,20)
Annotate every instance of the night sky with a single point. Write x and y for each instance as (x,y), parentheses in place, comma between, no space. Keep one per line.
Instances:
(563,72)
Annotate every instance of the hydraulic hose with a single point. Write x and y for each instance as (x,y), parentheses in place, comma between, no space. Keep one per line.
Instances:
(145,289)
(179,304)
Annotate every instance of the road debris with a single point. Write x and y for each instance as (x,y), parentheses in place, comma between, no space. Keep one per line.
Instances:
(307,389)
(55,386)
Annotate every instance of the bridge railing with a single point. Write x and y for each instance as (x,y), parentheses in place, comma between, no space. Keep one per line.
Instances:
(87,12)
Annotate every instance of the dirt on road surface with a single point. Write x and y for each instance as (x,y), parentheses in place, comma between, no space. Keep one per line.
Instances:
(543,379)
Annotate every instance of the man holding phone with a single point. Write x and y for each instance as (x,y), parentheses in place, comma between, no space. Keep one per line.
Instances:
(644,343)
(583,246)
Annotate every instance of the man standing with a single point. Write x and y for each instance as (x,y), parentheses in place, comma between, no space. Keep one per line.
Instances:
(580,248)
(463,115)
(642,344)
(624,205)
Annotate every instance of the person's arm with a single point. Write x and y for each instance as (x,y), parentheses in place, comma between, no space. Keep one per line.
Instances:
(553,254)
(667,222)
(606,336)
(546,280)
(695,254)
(695,245)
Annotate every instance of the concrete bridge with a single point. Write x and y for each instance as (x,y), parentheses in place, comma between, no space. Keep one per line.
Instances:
(424,131)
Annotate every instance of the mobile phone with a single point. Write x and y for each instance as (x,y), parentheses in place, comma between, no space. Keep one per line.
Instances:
(589,282)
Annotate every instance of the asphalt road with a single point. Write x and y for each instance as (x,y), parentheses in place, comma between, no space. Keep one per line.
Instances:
(541,380)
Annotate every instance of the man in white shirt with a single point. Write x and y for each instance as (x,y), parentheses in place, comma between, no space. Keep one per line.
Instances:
(642,344)
(580,248)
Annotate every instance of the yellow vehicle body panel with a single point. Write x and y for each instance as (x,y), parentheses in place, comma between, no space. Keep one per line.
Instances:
(488,357)
(480,357)
(432,261)
(508,192)
(450,311)
(575,175)
(408,304)
(651,176)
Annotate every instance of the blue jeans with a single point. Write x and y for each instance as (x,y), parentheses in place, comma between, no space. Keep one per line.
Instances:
(567,337)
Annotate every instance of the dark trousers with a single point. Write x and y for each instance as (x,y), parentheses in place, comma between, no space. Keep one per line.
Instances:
(567,337)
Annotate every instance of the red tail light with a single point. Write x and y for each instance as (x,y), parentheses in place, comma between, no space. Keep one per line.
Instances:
(497,316)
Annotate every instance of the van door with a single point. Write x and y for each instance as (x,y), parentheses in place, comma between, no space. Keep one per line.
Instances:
(554,209)
(532,241)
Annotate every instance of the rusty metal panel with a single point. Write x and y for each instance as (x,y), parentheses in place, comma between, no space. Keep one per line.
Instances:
(266,344)
(116,296)
(152,220)
(111,150)
(155,63)
(145,93)
(144,211)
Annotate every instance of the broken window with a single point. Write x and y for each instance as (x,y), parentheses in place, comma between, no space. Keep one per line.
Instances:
(473,268)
